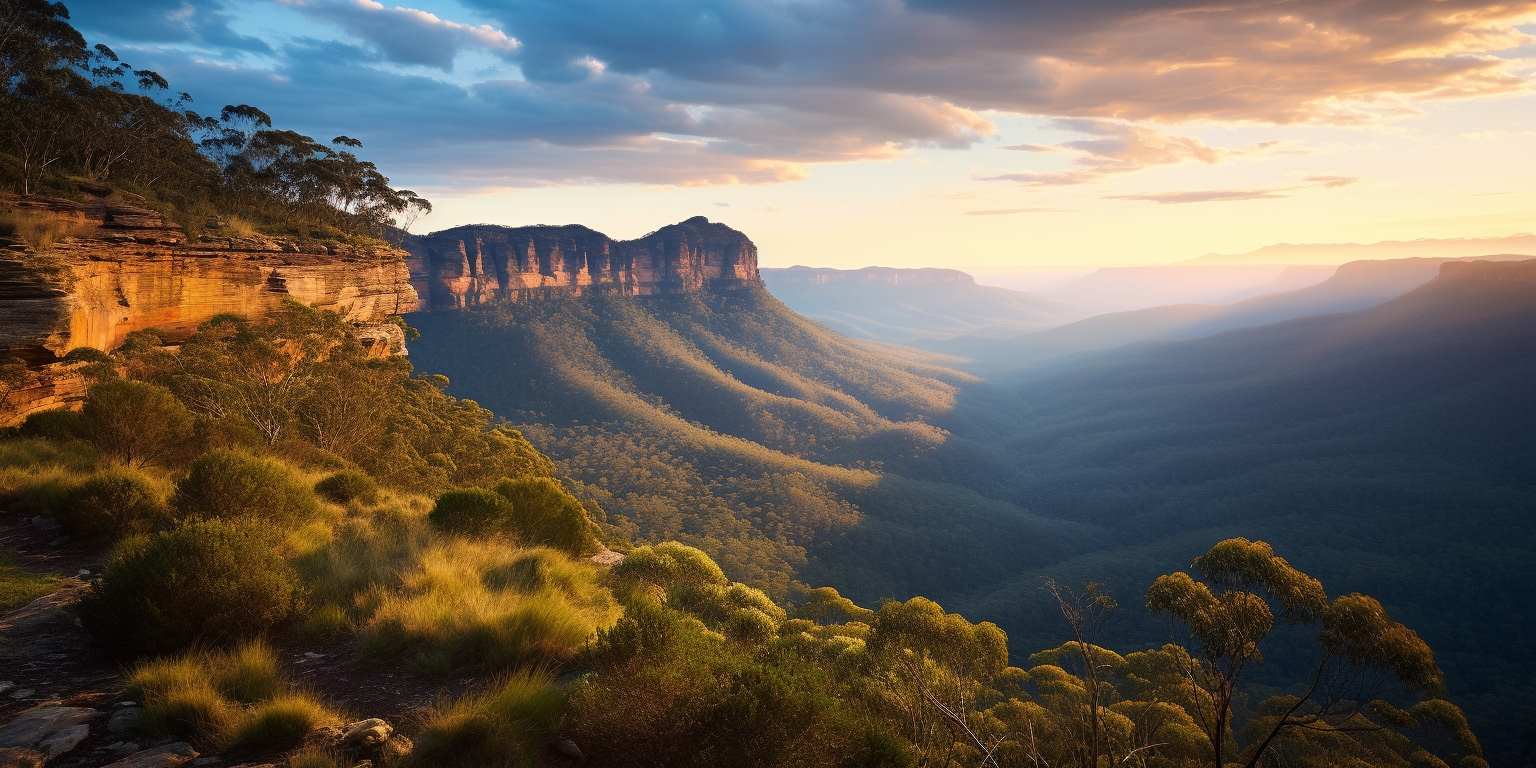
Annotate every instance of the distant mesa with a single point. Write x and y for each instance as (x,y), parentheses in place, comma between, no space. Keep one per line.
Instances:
(488,264)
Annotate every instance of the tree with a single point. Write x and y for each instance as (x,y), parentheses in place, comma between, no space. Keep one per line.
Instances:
(1084,612)
(136,421)
(1362,653)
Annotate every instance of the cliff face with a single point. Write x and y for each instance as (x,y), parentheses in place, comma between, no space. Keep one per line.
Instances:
(115,269)
(483,264)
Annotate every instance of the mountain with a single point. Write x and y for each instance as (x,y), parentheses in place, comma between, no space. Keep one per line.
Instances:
(1353,286)
(1120,289)
(1338,253)
(1389,449)
(905,305)
(483,263)
(709,412)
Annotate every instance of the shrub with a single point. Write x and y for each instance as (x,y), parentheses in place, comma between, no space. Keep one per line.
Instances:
(18,587)
(235,484)
(544,514)
(206,582)
(346,486)
(506,725)
(136,421)
(280,723)
(454,612)
(363,553)
(472,511)
(112,504)
(247,674)
(56,424)
(326,623)
(667,564)
(751,626)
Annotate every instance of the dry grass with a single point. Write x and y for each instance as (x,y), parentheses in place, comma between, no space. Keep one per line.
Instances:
(234,699)
(40,231)
(490,606)
(508,724)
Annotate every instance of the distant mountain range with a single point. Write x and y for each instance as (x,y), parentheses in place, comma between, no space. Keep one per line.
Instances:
(1353,286)
(1338,253)
(907,305)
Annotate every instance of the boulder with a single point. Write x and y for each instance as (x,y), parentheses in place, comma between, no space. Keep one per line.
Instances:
(51,730)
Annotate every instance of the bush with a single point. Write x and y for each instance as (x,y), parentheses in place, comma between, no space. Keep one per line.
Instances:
(343,487)
(235,484)
(112,504)
(280,723)
(507,725)
(56,424)
(208,582)
(667,565)
(471,511)
(544,514)
(136,421)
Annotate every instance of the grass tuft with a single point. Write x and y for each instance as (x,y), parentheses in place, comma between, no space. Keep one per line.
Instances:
(508,724)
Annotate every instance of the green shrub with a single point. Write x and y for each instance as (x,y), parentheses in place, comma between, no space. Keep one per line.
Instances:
(136,421)
(544,514)
(280,723)
(667,564)
(19,587)
(507,725)
(56,424)
(235,484)
(326,623)
(208,582)
(111,504)
(472,511)
(751,626)
(346,486)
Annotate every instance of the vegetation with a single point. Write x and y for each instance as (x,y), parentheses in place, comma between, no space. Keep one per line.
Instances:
(18,586)
(231,700)
(344,487)
(76,119)
(237,485)
(206,582)
(508,724)
(112,504)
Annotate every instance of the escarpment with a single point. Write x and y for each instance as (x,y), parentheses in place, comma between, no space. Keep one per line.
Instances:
(86,275)
(485,264)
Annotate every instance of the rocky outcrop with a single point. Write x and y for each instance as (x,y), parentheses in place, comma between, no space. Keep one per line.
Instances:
(75,275)
(484,264)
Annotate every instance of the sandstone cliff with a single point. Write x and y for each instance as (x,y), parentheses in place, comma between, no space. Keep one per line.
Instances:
(481,264)
(115,269)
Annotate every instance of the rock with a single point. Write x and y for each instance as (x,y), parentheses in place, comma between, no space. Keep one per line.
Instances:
(18,757)
(126,269)
(45,524)
(170,755)
(24,693)
(51,730)
(123,747)
(205,762)
(367,736)
(125,719)
(478,264)
(568,748)
(6,686)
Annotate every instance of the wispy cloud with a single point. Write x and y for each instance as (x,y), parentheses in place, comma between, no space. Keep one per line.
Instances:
(1012,211)
(1332,181)
(1205,196)
(1113,147)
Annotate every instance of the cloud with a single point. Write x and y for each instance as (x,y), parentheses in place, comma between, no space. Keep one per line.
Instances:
(1228,195)
(407,35)
(1114,148)
(725,91)
(1205,196)
(1012,211)
(164,21)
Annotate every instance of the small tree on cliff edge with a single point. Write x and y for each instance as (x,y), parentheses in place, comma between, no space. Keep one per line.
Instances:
(1362,653)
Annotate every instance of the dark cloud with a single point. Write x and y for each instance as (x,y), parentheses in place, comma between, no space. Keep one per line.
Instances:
(163,21)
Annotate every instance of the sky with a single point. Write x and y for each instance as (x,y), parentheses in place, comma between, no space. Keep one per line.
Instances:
(980,134)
